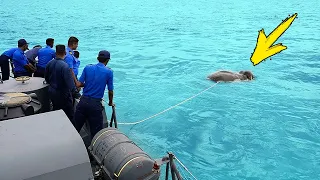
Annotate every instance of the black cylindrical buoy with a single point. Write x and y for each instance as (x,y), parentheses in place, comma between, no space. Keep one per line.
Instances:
(121,158)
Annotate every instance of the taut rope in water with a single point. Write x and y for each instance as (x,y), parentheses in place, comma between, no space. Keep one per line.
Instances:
(182,102)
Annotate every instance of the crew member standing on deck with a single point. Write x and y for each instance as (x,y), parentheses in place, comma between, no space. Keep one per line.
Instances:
(94,79)
(71,60)
(45,55)
(22,67)
(4,63)
(58,76)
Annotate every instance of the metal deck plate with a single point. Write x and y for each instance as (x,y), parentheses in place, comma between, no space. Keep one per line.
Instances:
(44,146)
(12,85)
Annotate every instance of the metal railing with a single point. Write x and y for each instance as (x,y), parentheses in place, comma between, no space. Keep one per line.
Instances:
(113,118)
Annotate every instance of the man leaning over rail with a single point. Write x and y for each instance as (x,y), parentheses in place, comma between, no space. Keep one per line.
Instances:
(22,67)
(45,55)
(94,79)
(32,54)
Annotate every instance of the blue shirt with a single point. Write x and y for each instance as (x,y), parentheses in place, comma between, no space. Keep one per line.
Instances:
(70,59)
(95,78)
(45,55)
(76,66)
(19,61)
(58,75)
(9,53)
(32,53)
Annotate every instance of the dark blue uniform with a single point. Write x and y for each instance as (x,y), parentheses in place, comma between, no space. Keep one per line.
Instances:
(44,56)
(58,75)
(95,78)
(4,63)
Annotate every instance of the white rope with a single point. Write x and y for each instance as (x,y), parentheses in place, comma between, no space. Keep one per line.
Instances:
(184,167)
(137,122)
(182,173)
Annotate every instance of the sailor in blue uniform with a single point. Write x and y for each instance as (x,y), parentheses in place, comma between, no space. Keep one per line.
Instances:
(4,63)
(76,70)
(45,55)
(58,76)
(94,79)
(70,59)
(32,54)
(22,67)
(77,65)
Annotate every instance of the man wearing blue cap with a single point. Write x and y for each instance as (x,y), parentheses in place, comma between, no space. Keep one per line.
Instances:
(22,67)
(45,55)
(4,63)
(94,79)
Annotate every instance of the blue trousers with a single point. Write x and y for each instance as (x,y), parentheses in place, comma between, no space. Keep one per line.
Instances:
(64,101)
(89,109)
(39,72)
(4,65)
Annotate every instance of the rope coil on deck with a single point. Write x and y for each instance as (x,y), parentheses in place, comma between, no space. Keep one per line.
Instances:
(14,99)
(182,102)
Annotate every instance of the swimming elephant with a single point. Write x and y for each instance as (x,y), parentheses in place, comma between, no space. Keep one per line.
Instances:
(228,76)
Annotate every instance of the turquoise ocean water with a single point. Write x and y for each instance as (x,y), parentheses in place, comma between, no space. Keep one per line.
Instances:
(162,51)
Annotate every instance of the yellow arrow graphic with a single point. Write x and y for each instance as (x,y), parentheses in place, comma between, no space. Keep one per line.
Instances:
(264,48)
